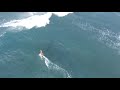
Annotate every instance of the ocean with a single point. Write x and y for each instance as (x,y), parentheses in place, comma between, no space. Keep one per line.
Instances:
(75,44)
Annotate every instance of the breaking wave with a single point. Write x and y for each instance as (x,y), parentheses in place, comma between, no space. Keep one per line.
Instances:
(35,19)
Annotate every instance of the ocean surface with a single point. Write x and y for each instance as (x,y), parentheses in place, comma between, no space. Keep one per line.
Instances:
(75,44)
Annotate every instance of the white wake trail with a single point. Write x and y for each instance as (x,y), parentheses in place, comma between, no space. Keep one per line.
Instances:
(55,67)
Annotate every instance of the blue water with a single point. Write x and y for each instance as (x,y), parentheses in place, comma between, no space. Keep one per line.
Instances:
(78,45)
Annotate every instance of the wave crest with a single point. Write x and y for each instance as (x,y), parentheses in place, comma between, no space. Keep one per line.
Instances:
(35,19)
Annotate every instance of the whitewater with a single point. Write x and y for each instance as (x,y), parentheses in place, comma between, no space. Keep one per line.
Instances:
(76,44)
(33,20)
(52,66)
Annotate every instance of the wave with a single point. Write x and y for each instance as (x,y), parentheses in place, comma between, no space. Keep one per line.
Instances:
(55,67)
(35,19)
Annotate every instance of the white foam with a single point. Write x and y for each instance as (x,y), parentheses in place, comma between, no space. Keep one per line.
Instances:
(34,20)
(55,67)
(61,14)
(118,37)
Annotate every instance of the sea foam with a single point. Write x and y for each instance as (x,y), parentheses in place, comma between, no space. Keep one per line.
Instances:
(35,19)
(52,66)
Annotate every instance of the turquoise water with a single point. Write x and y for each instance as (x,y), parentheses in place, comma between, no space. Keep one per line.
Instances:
(82,44)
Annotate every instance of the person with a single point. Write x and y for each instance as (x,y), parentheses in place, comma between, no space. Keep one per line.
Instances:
(41,54)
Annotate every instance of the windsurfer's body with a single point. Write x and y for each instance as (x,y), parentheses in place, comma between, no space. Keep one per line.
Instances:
(41,54)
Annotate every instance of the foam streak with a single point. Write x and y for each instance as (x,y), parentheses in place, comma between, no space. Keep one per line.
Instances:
(53,66)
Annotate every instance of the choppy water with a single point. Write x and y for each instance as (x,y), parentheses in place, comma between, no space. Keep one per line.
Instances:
(79,44)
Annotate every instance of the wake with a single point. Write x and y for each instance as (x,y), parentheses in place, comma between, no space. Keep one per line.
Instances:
(55,67)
